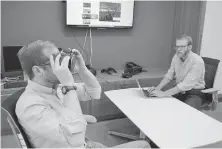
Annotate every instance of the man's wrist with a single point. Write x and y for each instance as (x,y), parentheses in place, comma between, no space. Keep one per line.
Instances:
(65,89)
(69,82)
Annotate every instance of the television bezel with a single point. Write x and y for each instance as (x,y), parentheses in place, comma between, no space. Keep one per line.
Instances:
(101,27)
(12,73)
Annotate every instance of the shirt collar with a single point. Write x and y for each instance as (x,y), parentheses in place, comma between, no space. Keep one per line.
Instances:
(188,56)
(39,88)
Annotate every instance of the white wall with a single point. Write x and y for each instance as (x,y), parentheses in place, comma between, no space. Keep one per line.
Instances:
(212,37)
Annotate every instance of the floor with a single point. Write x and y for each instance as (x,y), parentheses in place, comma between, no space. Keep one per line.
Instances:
(99,131)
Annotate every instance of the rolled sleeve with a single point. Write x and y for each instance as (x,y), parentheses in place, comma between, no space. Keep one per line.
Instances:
(88,93)
(192,77)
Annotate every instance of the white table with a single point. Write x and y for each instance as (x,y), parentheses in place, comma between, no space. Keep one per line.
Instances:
(168,122)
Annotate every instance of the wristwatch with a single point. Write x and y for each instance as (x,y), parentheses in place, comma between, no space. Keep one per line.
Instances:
(61,90)
(66,89)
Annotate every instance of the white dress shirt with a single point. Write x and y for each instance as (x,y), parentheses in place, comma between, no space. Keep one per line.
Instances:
(47,127)
(189,74)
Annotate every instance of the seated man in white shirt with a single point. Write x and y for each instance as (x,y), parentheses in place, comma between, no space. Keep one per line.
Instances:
(188,69)
(49,118)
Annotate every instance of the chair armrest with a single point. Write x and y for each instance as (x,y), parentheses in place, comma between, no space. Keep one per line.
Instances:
(210,90)
(90,119)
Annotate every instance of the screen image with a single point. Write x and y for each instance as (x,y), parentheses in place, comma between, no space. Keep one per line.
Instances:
(100,13)
(110,12)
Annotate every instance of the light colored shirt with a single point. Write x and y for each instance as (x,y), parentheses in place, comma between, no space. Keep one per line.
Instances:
(189,74)
(45,126)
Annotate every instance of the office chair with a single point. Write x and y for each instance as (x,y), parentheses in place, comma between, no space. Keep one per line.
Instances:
(210,101)
(211,94)
(8,105)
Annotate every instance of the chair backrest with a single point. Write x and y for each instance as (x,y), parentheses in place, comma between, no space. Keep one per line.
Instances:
(9,105)
(211,66)
(18,140)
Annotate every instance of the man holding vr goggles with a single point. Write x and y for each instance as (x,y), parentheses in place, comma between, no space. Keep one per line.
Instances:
(49,108)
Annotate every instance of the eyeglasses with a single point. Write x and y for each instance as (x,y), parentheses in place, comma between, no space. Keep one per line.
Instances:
(62,56)
(48,63)
(179,47)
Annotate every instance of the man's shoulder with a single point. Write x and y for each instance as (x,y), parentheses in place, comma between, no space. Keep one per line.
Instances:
(27,98)
(197,58)
(175,58)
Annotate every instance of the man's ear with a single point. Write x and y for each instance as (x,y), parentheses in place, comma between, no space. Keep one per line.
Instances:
(190,47)
(37,71)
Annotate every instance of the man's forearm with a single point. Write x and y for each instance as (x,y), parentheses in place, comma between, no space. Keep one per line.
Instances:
(88,78)
(172,91)
(71,100)
(163,83)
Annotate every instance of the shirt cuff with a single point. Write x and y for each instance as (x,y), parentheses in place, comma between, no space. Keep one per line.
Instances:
(94,93)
